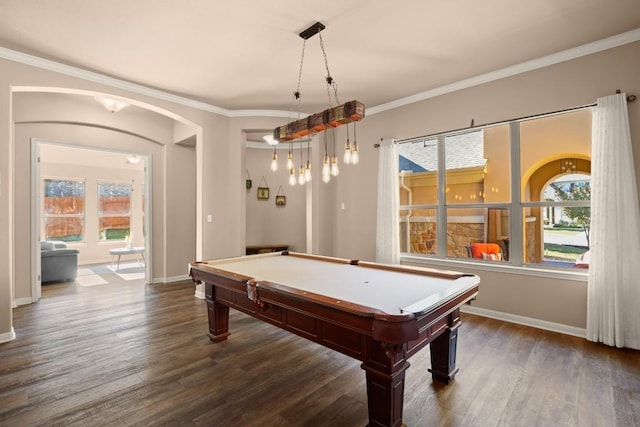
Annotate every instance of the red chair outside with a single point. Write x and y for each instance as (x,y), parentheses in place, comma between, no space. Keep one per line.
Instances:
(488,251)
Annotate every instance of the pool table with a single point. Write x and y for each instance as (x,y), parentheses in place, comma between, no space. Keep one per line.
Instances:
(379,314)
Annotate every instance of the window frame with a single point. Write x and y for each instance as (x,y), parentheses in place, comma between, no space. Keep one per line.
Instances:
(46,215)
(514,208)
(100,215)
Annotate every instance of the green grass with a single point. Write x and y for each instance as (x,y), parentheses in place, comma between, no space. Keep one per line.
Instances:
(69,238)
(116,233)
(562,252)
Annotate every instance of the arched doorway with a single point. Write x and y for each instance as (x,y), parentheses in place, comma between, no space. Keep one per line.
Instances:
(563,188)
(79,120)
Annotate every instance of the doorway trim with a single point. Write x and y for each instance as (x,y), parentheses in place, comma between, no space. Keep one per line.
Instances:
(36,211)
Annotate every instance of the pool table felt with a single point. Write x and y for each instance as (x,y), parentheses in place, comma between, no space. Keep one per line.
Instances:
(392,291)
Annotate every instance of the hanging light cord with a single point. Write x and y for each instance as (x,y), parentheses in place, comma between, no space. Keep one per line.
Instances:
(326,151)
(330,82)
(333,133)
(297,95)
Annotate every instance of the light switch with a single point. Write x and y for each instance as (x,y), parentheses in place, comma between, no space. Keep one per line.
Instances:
(209,218)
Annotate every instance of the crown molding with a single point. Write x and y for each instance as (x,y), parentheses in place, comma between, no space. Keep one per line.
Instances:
(556,58)
(91,76)
(263,113)
(545,61)
(264,146)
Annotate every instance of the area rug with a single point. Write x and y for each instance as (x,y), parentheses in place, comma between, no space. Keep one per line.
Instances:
(101,274)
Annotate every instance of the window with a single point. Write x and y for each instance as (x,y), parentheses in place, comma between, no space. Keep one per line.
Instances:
(63,209)
(516,192)
(114,210)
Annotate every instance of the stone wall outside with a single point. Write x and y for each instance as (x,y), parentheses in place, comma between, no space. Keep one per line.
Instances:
(422,237)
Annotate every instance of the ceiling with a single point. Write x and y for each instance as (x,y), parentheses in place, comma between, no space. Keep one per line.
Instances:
(245,54)
(73,155)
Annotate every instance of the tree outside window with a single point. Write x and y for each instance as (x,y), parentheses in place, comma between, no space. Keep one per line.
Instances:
(567,217)
(579,215)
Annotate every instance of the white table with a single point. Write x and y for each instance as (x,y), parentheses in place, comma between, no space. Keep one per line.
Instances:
(137,251)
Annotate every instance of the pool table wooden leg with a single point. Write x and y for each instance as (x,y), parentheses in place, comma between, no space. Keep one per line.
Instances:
(385,374)
(443,351)
(218,316)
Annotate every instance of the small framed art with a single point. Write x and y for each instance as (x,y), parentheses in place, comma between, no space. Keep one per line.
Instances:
(263,193)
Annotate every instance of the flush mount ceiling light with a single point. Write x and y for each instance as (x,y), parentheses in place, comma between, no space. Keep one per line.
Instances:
(133,159)
(269,140)
(336,115)
(112,105)
(274,159)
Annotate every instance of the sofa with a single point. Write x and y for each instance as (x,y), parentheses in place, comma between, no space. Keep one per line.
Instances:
(58,263)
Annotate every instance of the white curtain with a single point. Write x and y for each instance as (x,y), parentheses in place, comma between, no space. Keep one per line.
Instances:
(613,306)
(387,236)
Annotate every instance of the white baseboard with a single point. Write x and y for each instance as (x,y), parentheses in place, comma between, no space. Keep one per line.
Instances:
(158,280)
(21,301)
(526,321)
(8,336)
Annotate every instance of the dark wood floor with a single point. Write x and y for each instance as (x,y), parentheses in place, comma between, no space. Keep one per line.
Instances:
(133,354)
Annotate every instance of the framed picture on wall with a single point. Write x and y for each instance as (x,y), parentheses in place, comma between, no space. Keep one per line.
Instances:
(248,183)
(263,193)
(281,200)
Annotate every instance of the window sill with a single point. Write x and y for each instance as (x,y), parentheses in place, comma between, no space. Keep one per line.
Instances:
(577,274)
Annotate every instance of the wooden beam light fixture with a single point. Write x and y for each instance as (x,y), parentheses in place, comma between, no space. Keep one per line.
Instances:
(336,115)
(348,112)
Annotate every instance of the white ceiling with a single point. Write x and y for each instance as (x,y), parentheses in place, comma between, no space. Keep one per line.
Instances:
(245,54)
